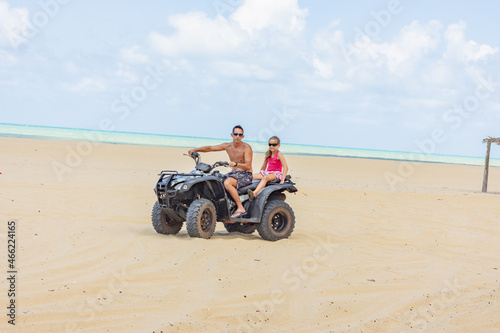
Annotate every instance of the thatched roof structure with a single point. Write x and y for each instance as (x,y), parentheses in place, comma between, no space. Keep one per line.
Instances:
(488,140)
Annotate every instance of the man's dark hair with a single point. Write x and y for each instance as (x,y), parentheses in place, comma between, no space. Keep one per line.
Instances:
(238,126)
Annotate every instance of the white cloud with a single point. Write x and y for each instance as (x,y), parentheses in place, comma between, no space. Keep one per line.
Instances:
(420,53)
(7,59)
(401,55)
(328,57)
(410,74)
(439,74)
(10,83)
(425,68)
(257,15)
(253,24)
(133,55)
(465,51)
(86,84)
(125,74)
(323,68)
(323,84)
(198,34)
(360,119)
(422,102)
(71,68)
(412,43)
(242,70)
(13,21)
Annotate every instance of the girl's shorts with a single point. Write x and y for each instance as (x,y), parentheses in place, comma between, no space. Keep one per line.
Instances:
(278,174)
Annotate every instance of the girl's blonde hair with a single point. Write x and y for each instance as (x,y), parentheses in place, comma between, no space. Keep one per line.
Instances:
(269,153)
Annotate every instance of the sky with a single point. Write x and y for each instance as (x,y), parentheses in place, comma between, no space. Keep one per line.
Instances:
(400,75)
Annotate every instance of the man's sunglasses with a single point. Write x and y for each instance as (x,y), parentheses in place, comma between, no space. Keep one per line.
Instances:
(237,134)
(273,144)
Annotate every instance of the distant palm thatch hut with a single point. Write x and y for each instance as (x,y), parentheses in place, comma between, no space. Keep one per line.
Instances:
(488,140)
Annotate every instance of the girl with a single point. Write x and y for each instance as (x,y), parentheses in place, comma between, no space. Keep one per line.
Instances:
(274,167)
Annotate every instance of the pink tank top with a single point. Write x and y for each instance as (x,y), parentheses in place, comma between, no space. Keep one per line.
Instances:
(273,164)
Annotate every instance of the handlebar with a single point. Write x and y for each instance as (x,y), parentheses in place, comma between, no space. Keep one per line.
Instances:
(196,157)
(220,163)
(193,155)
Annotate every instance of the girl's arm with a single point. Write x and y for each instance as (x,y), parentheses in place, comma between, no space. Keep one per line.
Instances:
(285,166)
(264,166)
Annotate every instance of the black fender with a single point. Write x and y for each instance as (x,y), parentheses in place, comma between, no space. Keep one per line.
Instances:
(260,201)
(208,187)
(212,182)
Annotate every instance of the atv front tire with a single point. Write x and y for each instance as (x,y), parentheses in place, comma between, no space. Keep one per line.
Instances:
(201,219)
(278,221)
(162,223)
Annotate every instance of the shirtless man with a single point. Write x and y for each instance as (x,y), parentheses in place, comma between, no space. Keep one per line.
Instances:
(240,156)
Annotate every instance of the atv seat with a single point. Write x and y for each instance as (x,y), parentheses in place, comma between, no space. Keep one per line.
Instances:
(277,181)
(252,187)
(254,184)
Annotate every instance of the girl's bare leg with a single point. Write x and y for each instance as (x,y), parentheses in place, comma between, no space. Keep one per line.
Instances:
(257,176)
(263,183)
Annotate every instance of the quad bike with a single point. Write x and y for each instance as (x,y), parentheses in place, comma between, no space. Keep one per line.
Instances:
(200,199)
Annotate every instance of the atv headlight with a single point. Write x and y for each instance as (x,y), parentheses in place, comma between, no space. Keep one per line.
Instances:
(178,186)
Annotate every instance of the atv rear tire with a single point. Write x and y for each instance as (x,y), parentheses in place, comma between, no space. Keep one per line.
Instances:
(278,221)
(162,223)
(244,228)
(201,219)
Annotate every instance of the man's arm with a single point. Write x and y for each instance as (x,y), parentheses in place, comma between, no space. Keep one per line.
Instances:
(206,149)
(248,155)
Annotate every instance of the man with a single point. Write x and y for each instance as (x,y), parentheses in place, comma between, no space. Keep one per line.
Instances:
(240,156)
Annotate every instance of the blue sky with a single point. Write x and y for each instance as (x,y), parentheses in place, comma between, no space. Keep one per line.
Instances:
(401,75)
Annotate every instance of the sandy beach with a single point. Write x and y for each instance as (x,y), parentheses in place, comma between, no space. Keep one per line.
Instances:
(367,255)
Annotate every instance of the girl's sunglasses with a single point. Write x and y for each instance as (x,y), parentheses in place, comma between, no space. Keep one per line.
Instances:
(273,144)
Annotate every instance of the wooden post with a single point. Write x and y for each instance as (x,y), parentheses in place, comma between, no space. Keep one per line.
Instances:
(486,167)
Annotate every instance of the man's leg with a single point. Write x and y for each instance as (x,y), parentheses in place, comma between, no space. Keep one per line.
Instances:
(230,185)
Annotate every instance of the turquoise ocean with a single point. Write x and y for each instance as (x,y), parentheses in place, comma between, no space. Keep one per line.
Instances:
(45,132)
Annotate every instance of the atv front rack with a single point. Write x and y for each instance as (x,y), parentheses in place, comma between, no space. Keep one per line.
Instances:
(172,172)
(168,172)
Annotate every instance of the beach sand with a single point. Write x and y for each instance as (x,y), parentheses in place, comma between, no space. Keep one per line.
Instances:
(422,254)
